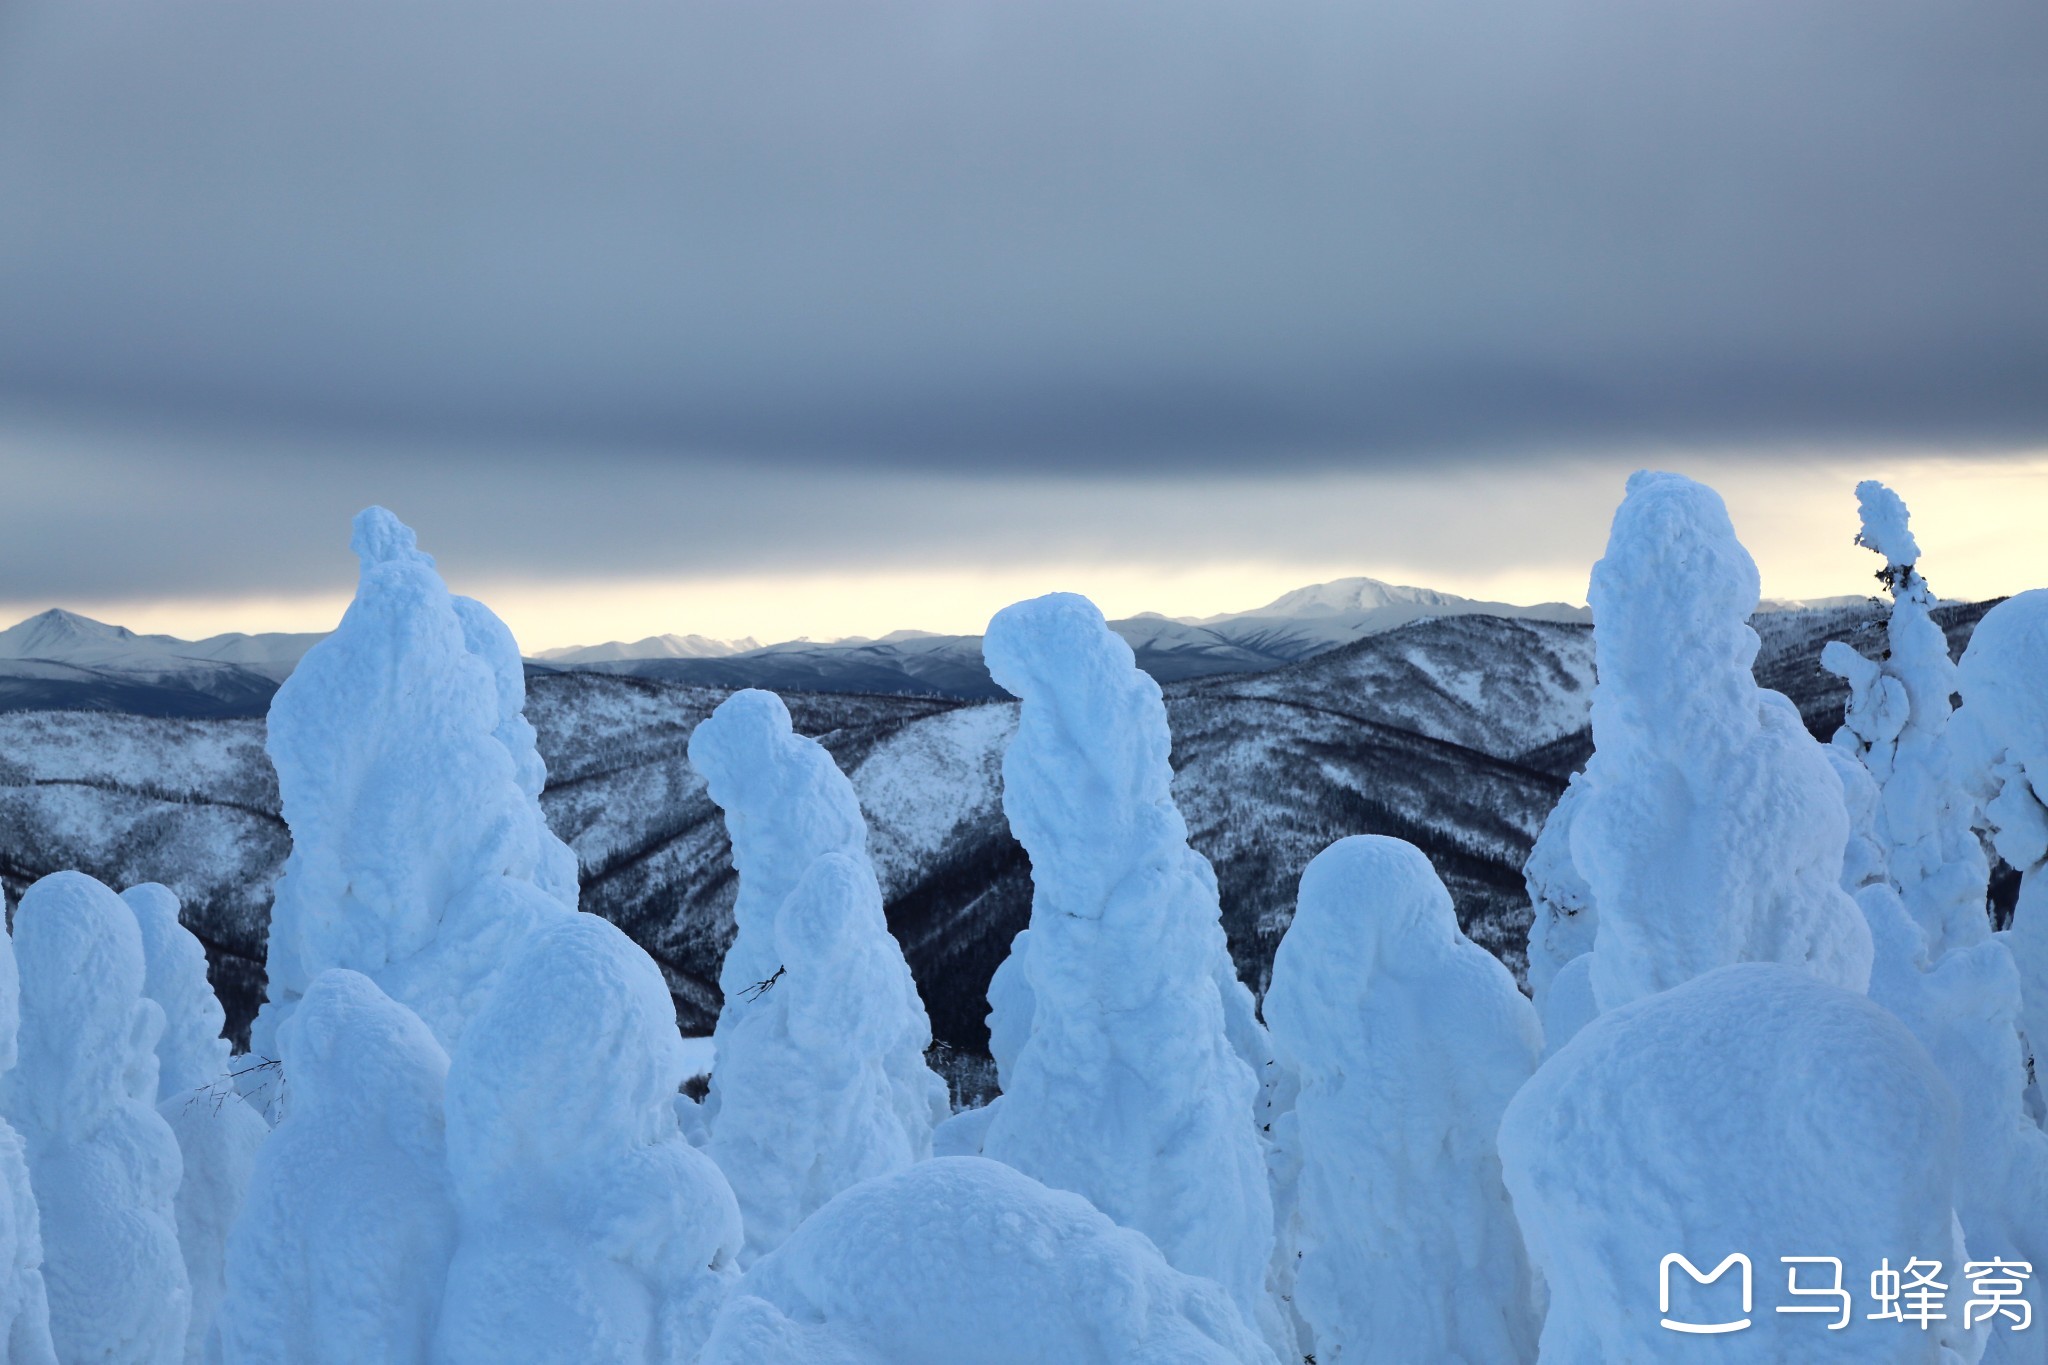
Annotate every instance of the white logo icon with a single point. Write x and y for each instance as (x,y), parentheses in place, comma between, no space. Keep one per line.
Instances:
(1698,1328)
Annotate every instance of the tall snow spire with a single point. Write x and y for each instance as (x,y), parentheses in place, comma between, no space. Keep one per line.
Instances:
(1407,1041)
(1896,724)
(103,1162)
(218,1135)
(1124,1085)
(2004,725)
(420,856)
(1708,827)
(821,1080)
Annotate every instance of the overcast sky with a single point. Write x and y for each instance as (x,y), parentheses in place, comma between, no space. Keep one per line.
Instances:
(775,318)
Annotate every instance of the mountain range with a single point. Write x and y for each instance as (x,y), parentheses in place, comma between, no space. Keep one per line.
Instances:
(60,660)
(1456,732)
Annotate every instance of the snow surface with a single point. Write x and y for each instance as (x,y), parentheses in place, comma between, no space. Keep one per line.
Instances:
(590,1230)
(1753,1110)
(420,856)
(1711,828)
(218,1134)
(1127,1085)
(1406,1041)
(821,1081)
(960,1259)
(342,1249)
(104,1164)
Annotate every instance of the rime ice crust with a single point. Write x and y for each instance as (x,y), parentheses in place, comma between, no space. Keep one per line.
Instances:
(1753,1109)
(1711,826)
(961,1259)
(217,1133)
(821,1080)
(589,1229)
(342,1248)
(419,854)
(104,1164)
(1407,1041)
(1125,1086)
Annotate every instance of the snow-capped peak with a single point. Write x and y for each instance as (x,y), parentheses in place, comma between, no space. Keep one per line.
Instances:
(652,647)
(1344,595)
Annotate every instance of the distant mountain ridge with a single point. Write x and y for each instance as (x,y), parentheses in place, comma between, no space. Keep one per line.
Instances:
(60,660)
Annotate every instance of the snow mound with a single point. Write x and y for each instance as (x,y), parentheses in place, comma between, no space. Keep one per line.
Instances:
(1711,828)
(409,779)
(1129,1084)
(1407,1041)
(821,1080)
(103,1163)
(1752,1111)
(960,1259)
(590,1229)
(342,1248)
(217,1133)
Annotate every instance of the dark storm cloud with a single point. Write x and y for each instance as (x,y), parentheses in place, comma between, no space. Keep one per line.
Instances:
(1128,236)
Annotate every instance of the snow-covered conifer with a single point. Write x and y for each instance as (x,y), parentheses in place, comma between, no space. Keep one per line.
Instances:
(1897,723)
(821,1080)
(24,1304)
(590,1229)
(217,1133)
(2004,752)
(1127,1087)
(961,1259)
(1755,1111)
(1710,828)
(1963,1006)
(103,1162)
(341,1252)
(1407,1041)
(419,853)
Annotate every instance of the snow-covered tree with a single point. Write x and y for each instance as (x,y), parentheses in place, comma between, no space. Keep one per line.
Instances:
(2004,749)
(341,1252)
(409,779)
(1407,1041)
(217,1133)
(1708,827)
(1897,723)
(1752,1110)
(1962,1006)
(1919,872)
(961,1259)
(103,1162)
(590,1229)
(821,1080)
(24,1304)
(1126,1085)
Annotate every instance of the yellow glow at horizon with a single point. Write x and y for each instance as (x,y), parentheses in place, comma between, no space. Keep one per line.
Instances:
(1980,524)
